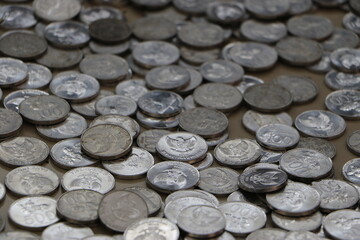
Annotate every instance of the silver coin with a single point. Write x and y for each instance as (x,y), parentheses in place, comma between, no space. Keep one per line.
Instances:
(39,76)
(133,88)
(139,70)
(99,237)
(242,218)
(267,9)
(219,180)
(73,126)
(17,17)
(222,71)
(32,180)
(56,10)
(277,136)
(153,28)
(18,235)
(13,72)
(346,103)
(171,176)
(33,212)
(346,60)
(306,165)
(79,206)
(2,192)
(198,56)
(22,151)
(338,80)
(341,38)
(169,123)
(323,65)
(342,224)
(60,58)
(321,145)
(89,178)
(133,166)
(352,22)
(296,199)
(353,142)
(119,209)
(267,233)
(247,82)
(195,81)
(151,54)
(75,87)
(263,32)
(157,228)
(294,235)
(205,163)
(329,3)
(153,200)
(336,195)
(238,196)
(213,142)
(189,102)
(268,156)
(193,7)
(91,14)
(11,123)
(354,6)
(160,104)
(170,78)
(237,153)
(118,48)
(321,124)
(67,154)
(300,6)
(310,26)
(64,231)
(149,138)
(302,89)
(182,146)
(307,223)
(115,104)
(226,12)
(193,193)
(106,142)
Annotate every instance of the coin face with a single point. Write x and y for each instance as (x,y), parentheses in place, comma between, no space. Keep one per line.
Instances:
(11,123)
(153,199)
(60,58)
(169,123)
(323,65)
(91,14)
(17,17)
(306,223)
(247,82)
(149,138)
(267,9)
(341,38)
(199,56)
(267,233)
(321,145)
(56,10)
(153,28)
(338,80)
(346,60)
(353,142)
(219,180)
(277,136)
(310,26)
(170,77)
(133,88)
(13,72)
(342,224)
(263,32)
(18,235)
(39,76)
(63,231)
(115,104)
(345,103)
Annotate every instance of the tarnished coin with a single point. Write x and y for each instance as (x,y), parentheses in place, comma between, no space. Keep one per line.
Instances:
(296,199)
(17,17)
(194,7)
(118,48)
(135,68)
(341,38)
(247,82)
(115,104)
(32,180)
(346,103)
(33,212)
(219,180)
(109,30)
(277,136)
(201,35)
(193,193)
(353,142)
(321,124)
(60,58)
(79,206)
(299,51)
(106,142)
(354,6)
(158,228)
(237,153)
(329,3)
(262,179)
(242,218)
(198,56)
(336,195)
(91,14)
(170,123)
(21,151)
(10,123)
(267,9)
(263,32)
(338,80)
(39,76)
(153,28)
(350,171)
(104,67)
(153,199)
(18,235)
(170,77)
(306,223)
(64,231)
(189,102)
(267,233)
(90,178)
(323,65)
(226,12)
(321,145)
(133,88)
(149,138)
(151,54)
(44,110)
(222,71)
(346,60)
(306,165)
(56,10)
(13,72)
(13,99)
(342,224)
(153,4)
(268,156)
(310,26)
(75,87)
(352,22)
(119,209)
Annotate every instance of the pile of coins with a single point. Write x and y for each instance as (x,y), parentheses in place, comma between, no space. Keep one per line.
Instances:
(130,99)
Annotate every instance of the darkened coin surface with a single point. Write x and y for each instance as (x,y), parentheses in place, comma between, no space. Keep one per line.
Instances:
(277,136)
(263,32)
(149,138)
(91,14)
(342,224)
(13,72)
(219,180)
(153,28)
(60,58)
(267,9)
(321,145)
(10,123)
(193,7)
(310,26)
(341,38)
(109,30)
(13,99)
(346,103)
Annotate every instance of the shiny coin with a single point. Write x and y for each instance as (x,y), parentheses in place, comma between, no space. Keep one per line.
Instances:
(236,213)
(306,223)
(106,142)
(79,206)
(323,65)
(193,8)
(13,72)
(205,163)
(33,212)
(351,22)
(64,231)
(267,9)
(341,38)
(119,209)
(91,14)
(226,12)
(267,233)
(21,151)
(132,166)
(109,30)
(171,176)
(2,191)
(219,180)
(39,76)
(294,235)
(89,178)
(237,153)
(345,103)
(32,180)
(18,235)
(306,165)
(322,124)
(299,51)
(170,77)
(338,80)
(11,123)
(99,237)
(158,228)
(277,136)
(310,26)
(153,199)
(262,179)
(153,28)
(17,17)
(105,67)
(238,196)
(247,82)
(346,60)
(199,56)
(353,142)
(192,193)
(60,58)
(44,110)
(222,71)
(321,145)
(56,10)
(133,88)
(263,32)
(336,195)
(189,102)
(149,138)
(342,224)
(75,87)
(115,104)
(169,123)
(13,99)
(296,199)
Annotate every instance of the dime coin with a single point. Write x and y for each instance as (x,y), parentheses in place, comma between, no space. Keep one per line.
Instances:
(18,235)
(153,199)
(56,10)
(170,123)
(13,72)
(321,124)
(119,209)
(89,178)
(189,102)
(267,233)
(11,123)
(149,138)
(342,224)
(300,6)
(350,169)
(341,38)
(33,212)
(158,228)
(345,103)
(17,17)
(237,212)
(171,176)
(222,71)
(109,30)
(115,104)
(32,180)
(306,223)
(346,60)
(64,231)
(153,28)
(79,206)
(170,77)
(219,180)
(353,142)
(296,199)
(39,76)
(135,67)
(60,58)
(310,26)
(277,136)
(321,145)
(338,80)
(263,32)
(91,14)
(268,156)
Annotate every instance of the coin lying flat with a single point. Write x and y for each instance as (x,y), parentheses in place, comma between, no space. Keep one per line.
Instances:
(323,65)
(56,10)
(219,180)
(345,103)
(350,22)
(302,235)
(14,72)
(17,17)
(170,77)
(321,145)
(277,136)
(153,199)
(310,26)
(117,48)
(60,58)
(267,233)
(263,32)
(346,60)
(64,231)
(133,88)
(39,76)
(115,104)
(353,142)
(247,82)
(306,223)
(193,193)
(234,13)
(338,80)
(98,237)
(109,30)
(267,9)
(148,122)
(18,235)
(11,123)
(198,56)
(342,224)
(153,28)
(91,14)
(13,99)
(222,71)
(341,38)
(149,138)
